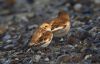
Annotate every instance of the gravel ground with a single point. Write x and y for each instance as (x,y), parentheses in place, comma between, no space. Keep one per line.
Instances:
(80,46)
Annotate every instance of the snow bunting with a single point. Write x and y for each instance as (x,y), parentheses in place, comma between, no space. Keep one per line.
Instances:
(42,37)
(61,24)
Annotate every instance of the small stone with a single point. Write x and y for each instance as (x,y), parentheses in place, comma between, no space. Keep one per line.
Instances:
(4,12)
(9,41)
(77,24)
(93,31)
(2,54)
(97,38)
(87,56)
(63,59)
(36,58)
(9,47)
(46,59)
(70,46)
(16,58)
(77,7)
(61,39)
(40,52)
(68,4)
(32,26)
(12,28)
(98,18)
(87,27)
(52,62)
(7,61)
(6,37)
(76,57)
(24,18)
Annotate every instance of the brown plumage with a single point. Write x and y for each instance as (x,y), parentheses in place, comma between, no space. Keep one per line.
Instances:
(61,24)
(42,37)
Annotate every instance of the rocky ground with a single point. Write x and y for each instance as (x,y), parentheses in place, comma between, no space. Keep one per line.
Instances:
(80,46)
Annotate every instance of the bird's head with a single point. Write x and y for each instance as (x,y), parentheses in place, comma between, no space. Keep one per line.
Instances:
(46,26)
(63,15)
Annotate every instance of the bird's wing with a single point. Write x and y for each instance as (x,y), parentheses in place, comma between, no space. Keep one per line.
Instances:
(56,29)
(36,36)
(45,39)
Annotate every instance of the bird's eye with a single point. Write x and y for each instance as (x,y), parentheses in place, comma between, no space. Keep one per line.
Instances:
(45,26)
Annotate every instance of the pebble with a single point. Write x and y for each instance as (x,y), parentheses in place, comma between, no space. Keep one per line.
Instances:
(93,31)
(52,62)
(77,7)
(63,59)
(32,26)
(9,47)
(7,61)
(97,37)
(46,59)
(87,56)
(2,54)
(61,39)
(77,24)
(9,41)
(36,58)
(24,18)
(6,37)
(87,27)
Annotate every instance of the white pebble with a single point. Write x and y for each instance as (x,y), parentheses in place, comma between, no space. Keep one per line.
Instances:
(46,59)
(61,39)
(24,18)
(8,41)
(33,26)
(77,7)
(87,56)
(7,37)
(36,58)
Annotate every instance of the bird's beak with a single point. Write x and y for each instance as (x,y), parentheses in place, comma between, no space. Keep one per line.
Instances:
(48,29)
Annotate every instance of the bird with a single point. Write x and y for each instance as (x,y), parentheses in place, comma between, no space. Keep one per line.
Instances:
(42,37)
(60,25)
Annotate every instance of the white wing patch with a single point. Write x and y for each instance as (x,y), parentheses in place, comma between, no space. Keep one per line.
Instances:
(57,28)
